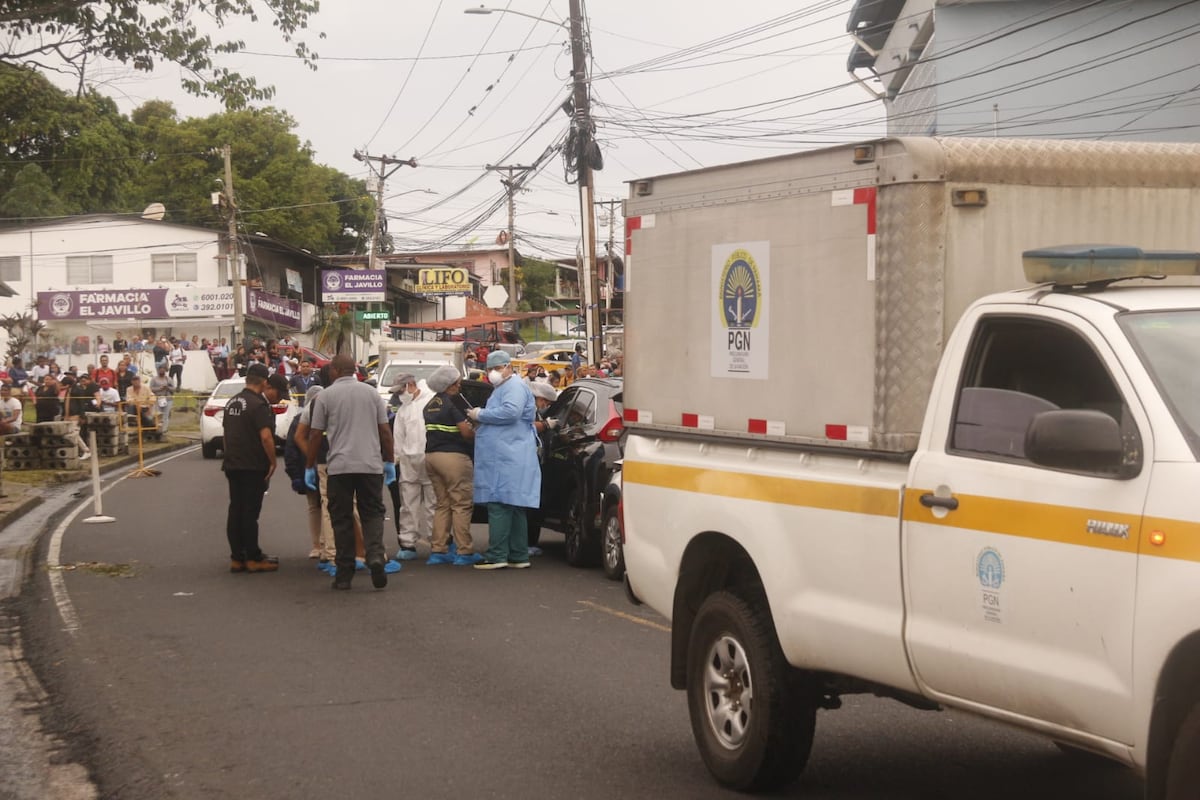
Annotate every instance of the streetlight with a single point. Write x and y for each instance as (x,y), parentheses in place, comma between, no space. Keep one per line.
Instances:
(485,10)
(409,191)
(584,144)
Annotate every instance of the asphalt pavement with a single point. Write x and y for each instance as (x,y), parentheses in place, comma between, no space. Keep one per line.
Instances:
(167,677)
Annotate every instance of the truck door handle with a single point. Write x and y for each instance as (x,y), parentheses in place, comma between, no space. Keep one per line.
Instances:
(933,501)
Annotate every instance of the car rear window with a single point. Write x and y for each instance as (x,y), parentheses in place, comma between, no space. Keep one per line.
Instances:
(226,389)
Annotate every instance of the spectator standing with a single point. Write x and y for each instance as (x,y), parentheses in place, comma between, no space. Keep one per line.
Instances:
(175,358)
(47,402)
(39,370)
(163,388)
(576,359)
(448,447)
(109,397)
(507,475)
(124,378)
(17,374)
(104,372)
(360,455)
(101,347)
(417,499)
(119,345)
(83,397)
(11,412)
(249,462)
(161,348)
(302,381)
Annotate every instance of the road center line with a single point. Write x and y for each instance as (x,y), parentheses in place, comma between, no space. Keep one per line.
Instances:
(58,585)
(658,626)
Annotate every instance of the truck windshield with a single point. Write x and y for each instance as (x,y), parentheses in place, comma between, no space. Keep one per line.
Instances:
(1169,345)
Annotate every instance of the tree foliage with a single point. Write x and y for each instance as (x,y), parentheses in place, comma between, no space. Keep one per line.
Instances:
(536,278)
(144,33)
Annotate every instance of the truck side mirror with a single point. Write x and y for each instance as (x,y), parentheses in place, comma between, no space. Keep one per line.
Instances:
(1076,439)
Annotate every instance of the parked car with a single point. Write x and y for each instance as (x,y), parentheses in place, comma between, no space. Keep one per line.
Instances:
(550,359)
(579,458)
(212,416)
(536,349)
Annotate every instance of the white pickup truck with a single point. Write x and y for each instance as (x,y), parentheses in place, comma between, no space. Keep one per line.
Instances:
(1024,545)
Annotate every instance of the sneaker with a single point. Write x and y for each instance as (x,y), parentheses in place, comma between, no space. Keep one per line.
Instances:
(392,567)
(378,575)
(314,553)
(485,564)
(85,456)
(519,564)
(468,560)
(237,566)
(264,563)
(439,558)
(406,554)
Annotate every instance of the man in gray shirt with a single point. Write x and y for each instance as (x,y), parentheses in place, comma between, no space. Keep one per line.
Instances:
(353,418)
(164,389)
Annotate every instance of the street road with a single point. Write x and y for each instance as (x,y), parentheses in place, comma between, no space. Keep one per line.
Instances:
(176,679)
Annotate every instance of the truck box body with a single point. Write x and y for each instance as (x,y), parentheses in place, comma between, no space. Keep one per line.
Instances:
(419,359)
(859,269)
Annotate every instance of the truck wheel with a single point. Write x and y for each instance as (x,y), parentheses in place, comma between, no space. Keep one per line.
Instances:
(613,556)
(1183,768)
(208,449)
(752,716)
(581,548)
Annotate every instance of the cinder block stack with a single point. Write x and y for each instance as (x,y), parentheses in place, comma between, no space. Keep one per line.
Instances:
(55,445)
(20,452)
(111,440)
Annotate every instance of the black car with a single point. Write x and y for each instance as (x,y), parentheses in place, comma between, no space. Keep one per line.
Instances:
(578,459)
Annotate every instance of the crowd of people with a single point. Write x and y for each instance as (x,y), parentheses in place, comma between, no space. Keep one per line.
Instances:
(439,456)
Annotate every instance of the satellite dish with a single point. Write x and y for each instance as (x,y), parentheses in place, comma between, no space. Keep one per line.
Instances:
(154,211)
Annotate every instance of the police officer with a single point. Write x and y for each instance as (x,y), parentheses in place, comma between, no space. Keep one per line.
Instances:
(249,463)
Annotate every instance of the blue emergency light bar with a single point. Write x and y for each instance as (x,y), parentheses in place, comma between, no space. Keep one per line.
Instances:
(1080,264)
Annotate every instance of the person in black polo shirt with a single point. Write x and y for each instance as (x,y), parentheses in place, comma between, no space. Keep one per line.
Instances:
(249,446)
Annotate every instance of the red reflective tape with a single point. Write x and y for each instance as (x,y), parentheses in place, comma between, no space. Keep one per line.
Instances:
(691,420)
(867,195)
(631,415)
(631,224)
(835,432)
(757,426)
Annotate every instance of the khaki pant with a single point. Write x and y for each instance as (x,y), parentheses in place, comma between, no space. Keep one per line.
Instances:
(328,548)
(452,475)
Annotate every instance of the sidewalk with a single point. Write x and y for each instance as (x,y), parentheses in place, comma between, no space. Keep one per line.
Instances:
(33,760)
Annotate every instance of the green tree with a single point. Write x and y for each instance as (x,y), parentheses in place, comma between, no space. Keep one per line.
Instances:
(144,33)
(536,278)
(84,144)
(333,328)
(31,195)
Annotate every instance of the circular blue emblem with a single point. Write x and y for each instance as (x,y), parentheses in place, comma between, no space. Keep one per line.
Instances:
(741,290)
(989,566)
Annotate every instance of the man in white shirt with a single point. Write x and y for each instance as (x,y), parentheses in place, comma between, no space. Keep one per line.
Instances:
(10,411)
(110,398)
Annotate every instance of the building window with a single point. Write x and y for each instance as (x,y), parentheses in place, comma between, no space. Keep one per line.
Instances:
(89,269)
(10,268)
(167,267)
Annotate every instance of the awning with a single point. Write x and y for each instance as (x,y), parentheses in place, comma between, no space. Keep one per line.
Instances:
(137,323)
(480,320)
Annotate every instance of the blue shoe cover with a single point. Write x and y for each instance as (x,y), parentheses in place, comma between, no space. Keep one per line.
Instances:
(453,549)
(467,561)
(406,555)
(360,564)
(439,558)
(535,551)
(392,567)
(329,568)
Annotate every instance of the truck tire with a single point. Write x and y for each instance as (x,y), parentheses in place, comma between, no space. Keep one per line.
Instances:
(208,449)
(752,716)
(612,551)
(582,550)
(1183,768)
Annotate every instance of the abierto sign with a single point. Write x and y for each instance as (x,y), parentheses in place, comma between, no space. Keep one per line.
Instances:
(353,285)
(443,280)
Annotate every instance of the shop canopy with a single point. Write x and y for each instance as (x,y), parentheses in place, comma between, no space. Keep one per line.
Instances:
(479,320)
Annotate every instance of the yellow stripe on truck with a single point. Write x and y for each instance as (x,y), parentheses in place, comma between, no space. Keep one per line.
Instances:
(1041,521)
(765,488)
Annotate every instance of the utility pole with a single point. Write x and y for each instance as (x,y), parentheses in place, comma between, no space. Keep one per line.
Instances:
(511,185)
(589,279)
(608,258)
(382,173)
(232,259)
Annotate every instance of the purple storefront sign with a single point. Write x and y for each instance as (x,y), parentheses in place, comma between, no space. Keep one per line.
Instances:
(353,285)
(272,308)
(141,303)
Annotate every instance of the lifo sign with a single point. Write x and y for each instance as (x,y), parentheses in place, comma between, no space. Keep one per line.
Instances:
(443,280)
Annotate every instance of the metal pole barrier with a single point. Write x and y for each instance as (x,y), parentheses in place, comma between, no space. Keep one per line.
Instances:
(96,500)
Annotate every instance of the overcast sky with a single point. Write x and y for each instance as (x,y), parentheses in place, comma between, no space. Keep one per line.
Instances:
(675,85)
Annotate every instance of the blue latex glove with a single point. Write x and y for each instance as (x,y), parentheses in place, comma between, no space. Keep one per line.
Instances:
(298,486)
(389,473)
(310,478)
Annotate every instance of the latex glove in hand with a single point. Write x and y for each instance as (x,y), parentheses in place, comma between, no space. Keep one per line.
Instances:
(310,478)
(389,473)
(473,415)
(551,423)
